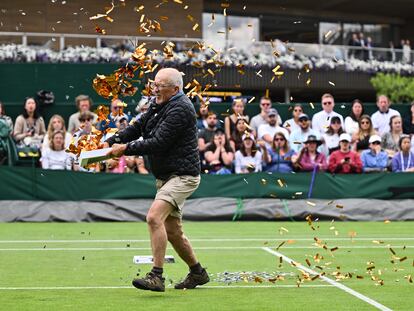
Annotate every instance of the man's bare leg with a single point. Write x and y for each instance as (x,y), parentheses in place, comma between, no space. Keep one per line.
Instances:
(179,241)
(156,217)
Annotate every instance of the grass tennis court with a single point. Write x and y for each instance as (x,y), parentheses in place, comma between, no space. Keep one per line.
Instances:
(88,266)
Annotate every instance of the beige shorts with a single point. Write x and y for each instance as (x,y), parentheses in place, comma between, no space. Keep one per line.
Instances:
(176,190)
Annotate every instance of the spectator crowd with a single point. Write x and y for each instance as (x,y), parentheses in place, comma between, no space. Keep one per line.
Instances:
(238,144)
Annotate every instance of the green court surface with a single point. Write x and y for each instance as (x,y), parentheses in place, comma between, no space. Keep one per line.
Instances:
(88,266)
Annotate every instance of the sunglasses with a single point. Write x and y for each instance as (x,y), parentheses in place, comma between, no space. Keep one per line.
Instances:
(89,120)
(267,105)
(326,103)
(365,122)
(376,143)
(279,139)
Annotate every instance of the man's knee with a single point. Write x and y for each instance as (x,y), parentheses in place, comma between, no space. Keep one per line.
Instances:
(158,212)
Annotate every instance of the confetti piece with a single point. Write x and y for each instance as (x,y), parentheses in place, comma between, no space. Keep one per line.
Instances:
(280,182)
(280,245)
(263,181)
(195,27)
(392,251)
(387,221)
(310,203)
(251,99)
(308,262)
(334,249)
(402,259)
(312,106)
(339,206)
(308,81)
(331,83)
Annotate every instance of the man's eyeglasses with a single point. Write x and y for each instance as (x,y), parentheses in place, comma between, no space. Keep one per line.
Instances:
(154,85)
(327,103)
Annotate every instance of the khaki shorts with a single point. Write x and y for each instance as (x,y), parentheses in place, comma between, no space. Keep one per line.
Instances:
(176,190)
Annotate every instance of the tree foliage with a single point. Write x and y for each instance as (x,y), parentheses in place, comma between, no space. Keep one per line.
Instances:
(399,89)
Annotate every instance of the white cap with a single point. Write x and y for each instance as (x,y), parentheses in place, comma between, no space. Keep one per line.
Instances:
(374,138)
(345,136)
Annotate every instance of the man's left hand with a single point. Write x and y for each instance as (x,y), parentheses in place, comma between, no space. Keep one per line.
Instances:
(117,150)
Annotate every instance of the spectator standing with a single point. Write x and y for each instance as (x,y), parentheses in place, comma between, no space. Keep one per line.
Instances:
(262,117)
(408,124)
(267,131)
(374,159)
(354,42)
(55,157)
(369,46)
(293,124)
(345,161)
(322,119)
(279,159)
(381,118)
(299,136)
(219,155)
(403,161)
(365,131)
(238,113)
(248,159)
(390,140)
(406,51)
(83,103)
(5,117)
(351,121)
(56,123)
(30,127)
(309,157)
(331,137)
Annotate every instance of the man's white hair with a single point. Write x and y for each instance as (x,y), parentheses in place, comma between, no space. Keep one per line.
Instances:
(173,77)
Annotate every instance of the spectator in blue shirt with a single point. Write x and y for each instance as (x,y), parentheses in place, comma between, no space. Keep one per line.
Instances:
(374,159)
(403,161)
(279,158)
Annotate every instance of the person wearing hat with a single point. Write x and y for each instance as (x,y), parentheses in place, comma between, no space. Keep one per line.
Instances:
(248,159)
(374,159)
(261,118)
(267,131)
(345,161)
(331,137)
(403,161)
(309,157)
(300,135)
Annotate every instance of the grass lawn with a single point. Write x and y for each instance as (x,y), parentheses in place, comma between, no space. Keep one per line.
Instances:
(88,266)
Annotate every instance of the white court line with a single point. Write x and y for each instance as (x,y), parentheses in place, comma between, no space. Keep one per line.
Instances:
(131,287)
(216,240)
(196,248)
(329,281)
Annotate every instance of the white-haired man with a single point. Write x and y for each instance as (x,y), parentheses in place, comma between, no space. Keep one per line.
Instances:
(169,134)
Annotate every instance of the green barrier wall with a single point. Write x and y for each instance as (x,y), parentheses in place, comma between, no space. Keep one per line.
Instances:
(19,183)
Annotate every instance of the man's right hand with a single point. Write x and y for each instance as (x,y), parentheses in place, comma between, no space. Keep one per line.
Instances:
(105,145)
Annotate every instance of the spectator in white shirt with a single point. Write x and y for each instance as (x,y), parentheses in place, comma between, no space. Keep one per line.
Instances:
(55,157)
(322,119)
(248,159)
(293,124)
(299,136)
(267,131)
(381,118)
(56,123)
(261,118)
(351,121)
(331,137)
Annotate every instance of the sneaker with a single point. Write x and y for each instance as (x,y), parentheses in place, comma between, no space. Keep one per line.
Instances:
(192,280)
(150,282)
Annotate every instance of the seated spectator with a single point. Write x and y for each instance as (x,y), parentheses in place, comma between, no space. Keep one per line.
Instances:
(248,158)
(142,107)
(298,136)
(219,155)
(6,118)
(29,129)
(236,139)
(309,157)
(205,136)
(137,164)
(279,159)
(238,113)
(331,137)
(261,118)
(374,159)
(7,146)
(115,115)
(390,140)
(267,131)
(352,121)
(408,124)
(84,104)
(322,119)
(345,161)
(381,118)
(55,157)
(293,124)
(56,123)
(403,161)
(202,116)
(365,131)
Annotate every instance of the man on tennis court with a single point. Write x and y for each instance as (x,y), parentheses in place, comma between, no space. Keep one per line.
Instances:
(169,135)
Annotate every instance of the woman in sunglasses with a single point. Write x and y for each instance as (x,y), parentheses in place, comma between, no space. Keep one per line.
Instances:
(279,157)
(362,136)
(331,137)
